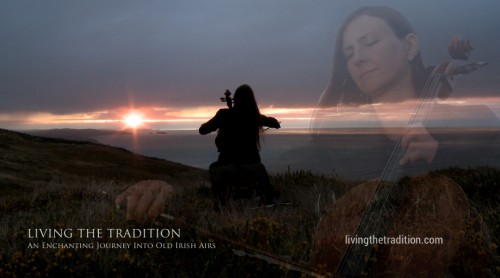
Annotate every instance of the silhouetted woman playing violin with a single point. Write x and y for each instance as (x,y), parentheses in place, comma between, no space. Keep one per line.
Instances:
(239,130)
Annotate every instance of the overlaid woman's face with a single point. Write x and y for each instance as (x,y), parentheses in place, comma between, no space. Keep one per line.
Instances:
(377,60)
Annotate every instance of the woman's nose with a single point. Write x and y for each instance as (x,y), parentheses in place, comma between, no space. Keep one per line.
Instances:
(358,56)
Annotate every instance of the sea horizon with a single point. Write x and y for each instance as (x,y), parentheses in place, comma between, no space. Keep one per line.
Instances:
(351,153)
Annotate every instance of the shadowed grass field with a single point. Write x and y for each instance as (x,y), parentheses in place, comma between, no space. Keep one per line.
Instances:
(61,184)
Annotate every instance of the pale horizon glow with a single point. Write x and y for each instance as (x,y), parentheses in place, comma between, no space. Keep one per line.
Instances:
(161,118)
(172,118)
(397,115)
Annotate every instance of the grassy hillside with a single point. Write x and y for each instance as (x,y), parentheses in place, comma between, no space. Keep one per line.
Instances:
(63,184)
(30,161)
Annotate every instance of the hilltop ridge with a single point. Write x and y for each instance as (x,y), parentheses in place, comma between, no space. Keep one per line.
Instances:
(27,161)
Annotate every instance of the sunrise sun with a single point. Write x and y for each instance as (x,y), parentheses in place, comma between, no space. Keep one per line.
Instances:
(133,120)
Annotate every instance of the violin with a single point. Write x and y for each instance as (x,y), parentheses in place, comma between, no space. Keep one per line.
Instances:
(227,99)
(371,230)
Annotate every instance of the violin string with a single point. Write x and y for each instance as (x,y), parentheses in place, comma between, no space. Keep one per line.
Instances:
(423,105)
(393,169)
(391,173)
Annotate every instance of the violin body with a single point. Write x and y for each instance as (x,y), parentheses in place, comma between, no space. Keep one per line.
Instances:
(431,207)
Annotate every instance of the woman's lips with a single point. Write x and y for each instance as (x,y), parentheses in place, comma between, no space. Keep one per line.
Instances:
(366,72)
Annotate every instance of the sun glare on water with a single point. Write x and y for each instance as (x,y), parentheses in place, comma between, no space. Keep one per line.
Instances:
(133,120)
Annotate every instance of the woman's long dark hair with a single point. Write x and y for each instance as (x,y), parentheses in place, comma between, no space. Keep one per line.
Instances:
(246,106)
(341,88)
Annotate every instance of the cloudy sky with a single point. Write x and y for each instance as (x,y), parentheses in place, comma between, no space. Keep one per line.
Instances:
(89,63)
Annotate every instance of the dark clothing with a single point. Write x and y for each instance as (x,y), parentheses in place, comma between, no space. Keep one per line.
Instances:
(236,138)
(239,159)
(226,177)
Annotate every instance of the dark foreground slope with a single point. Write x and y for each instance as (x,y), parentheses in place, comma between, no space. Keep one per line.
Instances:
(53,184)
(28,161)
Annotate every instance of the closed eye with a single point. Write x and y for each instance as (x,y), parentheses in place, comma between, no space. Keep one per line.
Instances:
(371,42)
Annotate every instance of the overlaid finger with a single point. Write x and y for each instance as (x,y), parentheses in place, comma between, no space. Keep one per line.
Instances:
(166,191)
(120,199)
(157,207)
(131,206)
(404,142)
(405,159)
(144,203)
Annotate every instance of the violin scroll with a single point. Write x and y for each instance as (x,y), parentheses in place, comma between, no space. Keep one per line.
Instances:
(227,99)
(460,50)
(460,47)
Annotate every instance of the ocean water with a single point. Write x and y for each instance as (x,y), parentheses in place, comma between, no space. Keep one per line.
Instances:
(191,148)
(348,153)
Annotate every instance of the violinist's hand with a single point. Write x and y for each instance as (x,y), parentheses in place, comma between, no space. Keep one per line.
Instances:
(145,200)
(274,123)
(418,144)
